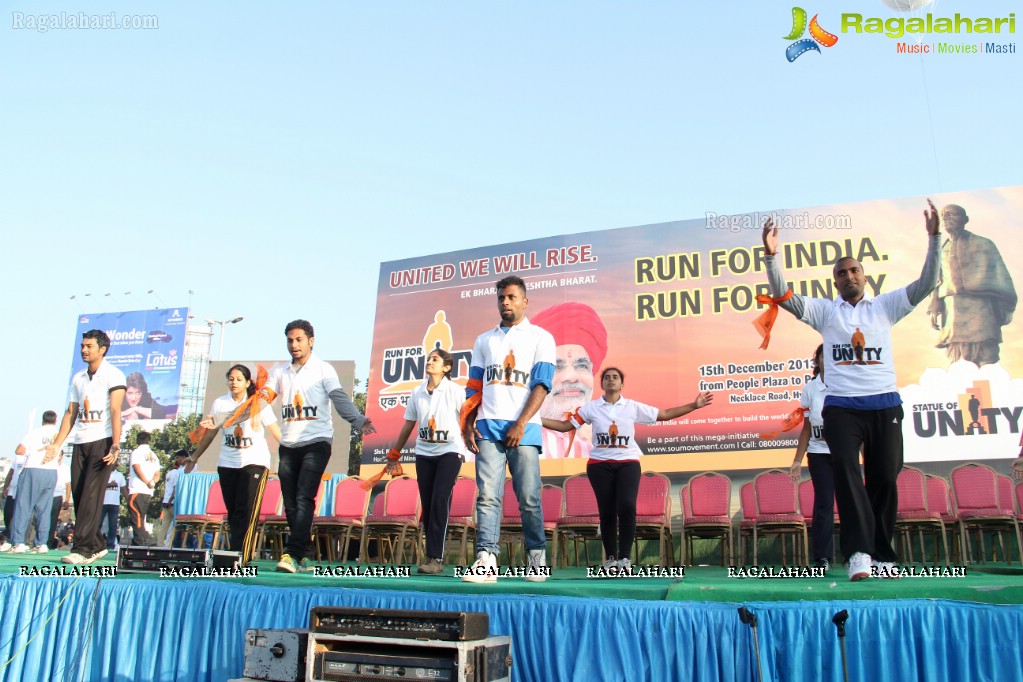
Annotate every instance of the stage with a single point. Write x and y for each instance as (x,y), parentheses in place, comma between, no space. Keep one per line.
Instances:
(137,627)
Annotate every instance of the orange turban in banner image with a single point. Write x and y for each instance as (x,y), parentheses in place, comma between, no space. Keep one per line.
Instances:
(575,323)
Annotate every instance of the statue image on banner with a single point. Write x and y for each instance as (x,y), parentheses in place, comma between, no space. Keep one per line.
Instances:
(975,296)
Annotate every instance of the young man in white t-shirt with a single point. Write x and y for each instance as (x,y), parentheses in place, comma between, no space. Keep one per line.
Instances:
(117,487)
(170,487)
(36,482)
(142,480)
(509,376)
(307,388)
(862,406)
(97,393)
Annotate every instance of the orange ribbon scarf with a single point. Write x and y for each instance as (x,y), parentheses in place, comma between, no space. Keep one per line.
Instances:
(262,393)
(765,322)
(794,419)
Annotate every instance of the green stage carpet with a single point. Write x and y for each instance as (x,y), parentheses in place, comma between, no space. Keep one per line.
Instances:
(987,583)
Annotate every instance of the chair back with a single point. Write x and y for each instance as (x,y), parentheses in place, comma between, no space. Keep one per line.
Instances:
(1019,497)
(775,493)
(974,487)
(271,504)
(377,513)
(806,496)
(748,501)
(710,494)
(510,512)
(401,497)
(912,487)
(654,497)
(215,500)
(552,498)
(937,495)
(687,507)
(463,498)
(350,499)
(1006,498)
(579,497)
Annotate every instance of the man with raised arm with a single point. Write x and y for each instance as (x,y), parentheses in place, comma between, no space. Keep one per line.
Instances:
(863,406)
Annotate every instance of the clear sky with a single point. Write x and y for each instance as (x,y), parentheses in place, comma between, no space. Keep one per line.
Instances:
(269,156)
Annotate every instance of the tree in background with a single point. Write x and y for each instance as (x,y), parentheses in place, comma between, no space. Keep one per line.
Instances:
(355,445)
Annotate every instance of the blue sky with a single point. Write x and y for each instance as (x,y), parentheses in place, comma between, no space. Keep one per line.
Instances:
(269,157)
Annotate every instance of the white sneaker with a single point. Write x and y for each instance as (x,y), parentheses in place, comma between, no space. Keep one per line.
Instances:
(5,546)
(859,566)
(885,569)
(537,570)
(40,549)
(483,570)
(624,567)
(610,567)
(100,554)
(74,558)
(20,549)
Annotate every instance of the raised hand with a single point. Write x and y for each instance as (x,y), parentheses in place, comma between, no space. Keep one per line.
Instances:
(931,219)
(770,236)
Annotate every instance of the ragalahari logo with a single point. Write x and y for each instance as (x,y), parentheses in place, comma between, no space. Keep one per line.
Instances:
(818,36)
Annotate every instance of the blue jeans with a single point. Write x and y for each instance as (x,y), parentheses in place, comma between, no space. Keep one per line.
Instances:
(524,463)
(34,498)
(111,512)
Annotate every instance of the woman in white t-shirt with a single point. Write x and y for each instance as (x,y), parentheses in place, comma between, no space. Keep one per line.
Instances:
(811,443)
(433,410)
(244,462)
(613,467)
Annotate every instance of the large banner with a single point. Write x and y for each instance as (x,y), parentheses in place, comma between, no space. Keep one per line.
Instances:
(673,306)
(147,345)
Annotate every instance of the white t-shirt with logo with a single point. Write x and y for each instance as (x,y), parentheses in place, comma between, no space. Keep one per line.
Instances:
(242,445)
(858,359)
(304,391)
(92,394)
(812,402)
(112,496)
(613,436)
(35,442)
(437,418)
(147,460)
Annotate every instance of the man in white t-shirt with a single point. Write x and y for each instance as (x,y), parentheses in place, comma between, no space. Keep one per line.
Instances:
(170,486)
(35,487)
(142,479)
(862,406)
(97,393)
(117,487)
(307,388)
(509,376)
(9,496)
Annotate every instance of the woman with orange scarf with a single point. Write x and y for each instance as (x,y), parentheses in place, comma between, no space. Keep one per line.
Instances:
(244,461)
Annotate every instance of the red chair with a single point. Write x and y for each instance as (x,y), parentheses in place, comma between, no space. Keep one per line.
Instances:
(778,513)
(351,502)
(1019,500)
(398,526)
(939,500)
(214,519)
(275,527)
(748,509)
(975,492)
(269,507)
(914,513)
(806,501)
(1006,495)
(709,513)
(653,515)
(581,522)
(462,517)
